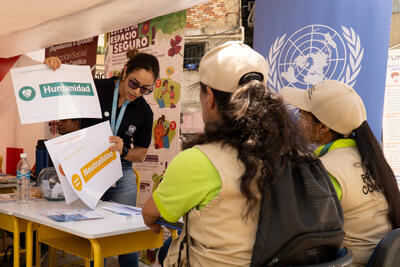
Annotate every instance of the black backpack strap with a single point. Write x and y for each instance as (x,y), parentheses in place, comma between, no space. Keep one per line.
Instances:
(185,241)
(265,215)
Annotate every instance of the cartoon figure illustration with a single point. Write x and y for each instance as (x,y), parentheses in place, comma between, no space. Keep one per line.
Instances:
(167,92)
(161,97)
(163,132)
(171,97)
(159,133)
(158,178)
(166,131)
(164,89)
(395,77)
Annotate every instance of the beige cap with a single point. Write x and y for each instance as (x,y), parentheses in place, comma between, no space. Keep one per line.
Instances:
(333,103)
(222,67)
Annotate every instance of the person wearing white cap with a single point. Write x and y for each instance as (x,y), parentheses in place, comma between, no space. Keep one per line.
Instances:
(333,116)
(215,180)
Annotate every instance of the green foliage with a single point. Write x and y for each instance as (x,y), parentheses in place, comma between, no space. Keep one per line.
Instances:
(170,23)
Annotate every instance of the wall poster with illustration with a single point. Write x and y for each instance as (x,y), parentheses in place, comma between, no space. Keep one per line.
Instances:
(162,37)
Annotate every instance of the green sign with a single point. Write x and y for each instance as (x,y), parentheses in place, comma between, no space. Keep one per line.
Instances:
(65,88)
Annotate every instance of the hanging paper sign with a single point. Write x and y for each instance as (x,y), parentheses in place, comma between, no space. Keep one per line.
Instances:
(81,52)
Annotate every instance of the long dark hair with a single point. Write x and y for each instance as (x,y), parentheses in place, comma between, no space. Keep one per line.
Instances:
(256,122)
(376,166)
(141,61)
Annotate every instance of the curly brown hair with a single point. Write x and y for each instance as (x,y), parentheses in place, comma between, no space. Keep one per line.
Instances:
(257,123)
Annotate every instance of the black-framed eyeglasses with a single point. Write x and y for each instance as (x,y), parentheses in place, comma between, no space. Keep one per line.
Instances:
(144,90)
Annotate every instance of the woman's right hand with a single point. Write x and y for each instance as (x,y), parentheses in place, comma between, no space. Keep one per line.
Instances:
(53,62)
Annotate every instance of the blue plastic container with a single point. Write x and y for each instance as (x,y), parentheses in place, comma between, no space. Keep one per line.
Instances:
(42,157)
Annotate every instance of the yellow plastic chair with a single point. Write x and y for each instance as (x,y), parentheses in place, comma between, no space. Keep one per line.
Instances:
(174,233)
(4,236)
(137,174)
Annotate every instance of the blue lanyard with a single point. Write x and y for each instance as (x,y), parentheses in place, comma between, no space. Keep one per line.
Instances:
(115,127)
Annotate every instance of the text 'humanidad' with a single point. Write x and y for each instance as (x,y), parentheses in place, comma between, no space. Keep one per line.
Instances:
(65,88)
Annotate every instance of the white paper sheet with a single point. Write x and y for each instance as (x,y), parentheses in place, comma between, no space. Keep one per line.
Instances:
(91,168)
(90,142)
(123,209)
(43,94)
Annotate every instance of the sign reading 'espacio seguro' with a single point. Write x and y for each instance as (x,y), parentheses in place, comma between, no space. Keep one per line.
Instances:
(43,94)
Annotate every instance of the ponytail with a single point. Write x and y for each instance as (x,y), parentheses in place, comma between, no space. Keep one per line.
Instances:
(376,166)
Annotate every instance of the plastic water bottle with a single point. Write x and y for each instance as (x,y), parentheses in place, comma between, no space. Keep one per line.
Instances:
(23,179)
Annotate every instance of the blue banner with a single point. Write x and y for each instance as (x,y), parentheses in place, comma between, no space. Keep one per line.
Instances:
(308,41)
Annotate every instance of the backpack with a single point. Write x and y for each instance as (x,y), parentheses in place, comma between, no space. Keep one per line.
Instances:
(301,221)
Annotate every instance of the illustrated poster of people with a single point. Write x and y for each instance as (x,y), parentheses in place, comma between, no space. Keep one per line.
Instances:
(162,37)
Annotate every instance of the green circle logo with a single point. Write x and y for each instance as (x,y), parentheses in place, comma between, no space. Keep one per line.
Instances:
(27,93)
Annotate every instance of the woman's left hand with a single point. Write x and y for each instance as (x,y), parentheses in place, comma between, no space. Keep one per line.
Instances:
(116,143)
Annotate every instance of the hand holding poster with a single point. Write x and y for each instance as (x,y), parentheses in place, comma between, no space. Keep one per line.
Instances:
(43,94)
(89,168)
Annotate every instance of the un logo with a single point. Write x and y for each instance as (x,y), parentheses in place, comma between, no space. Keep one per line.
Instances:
(313,54)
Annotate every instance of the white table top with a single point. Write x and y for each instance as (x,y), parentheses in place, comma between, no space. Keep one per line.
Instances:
(111,224)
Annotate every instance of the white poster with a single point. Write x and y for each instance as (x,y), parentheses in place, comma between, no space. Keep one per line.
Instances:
(89,168)
(391,113)
(43,94)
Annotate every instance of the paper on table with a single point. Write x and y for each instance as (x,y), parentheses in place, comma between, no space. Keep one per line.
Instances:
(69,215)
(90,166)
(43,94)
(7,198)
(58,146)
(123,209)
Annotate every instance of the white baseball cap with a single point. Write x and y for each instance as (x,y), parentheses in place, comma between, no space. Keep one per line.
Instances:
(222,67)
(333,103)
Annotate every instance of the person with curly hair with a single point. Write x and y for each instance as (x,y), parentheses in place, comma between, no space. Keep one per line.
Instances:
(218,179)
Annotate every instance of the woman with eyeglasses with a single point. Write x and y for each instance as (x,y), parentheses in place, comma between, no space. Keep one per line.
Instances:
(121,100)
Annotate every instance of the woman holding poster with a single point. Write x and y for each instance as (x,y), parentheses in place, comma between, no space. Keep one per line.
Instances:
(121,100)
